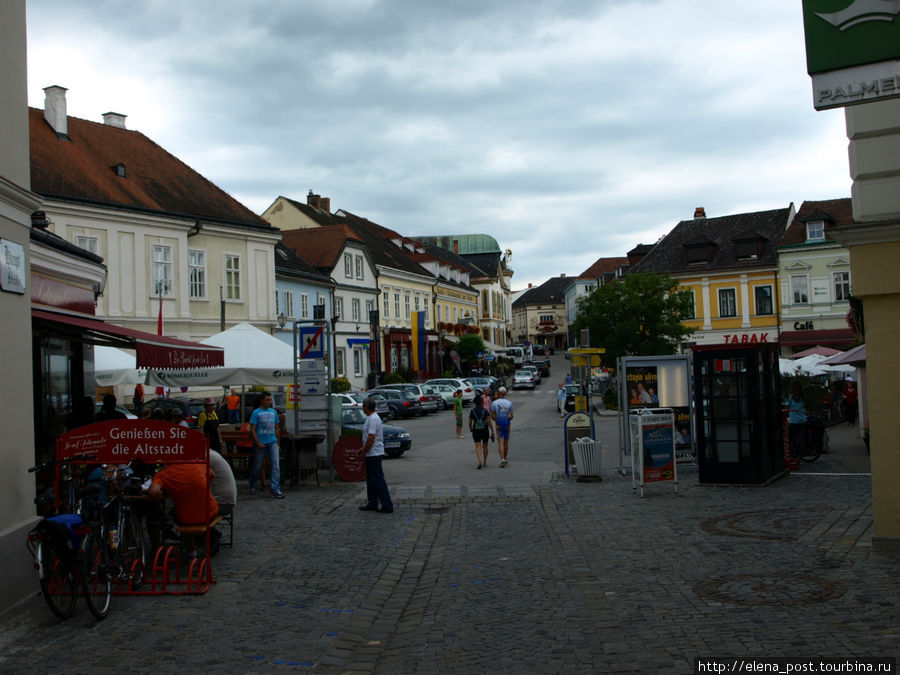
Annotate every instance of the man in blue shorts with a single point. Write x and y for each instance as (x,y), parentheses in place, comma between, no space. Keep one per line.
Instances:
(502,412)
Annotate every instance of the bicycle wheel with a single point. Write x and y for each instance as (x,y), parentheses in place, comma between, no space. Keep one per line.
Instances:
(58,583)
(96,577)
(132,550)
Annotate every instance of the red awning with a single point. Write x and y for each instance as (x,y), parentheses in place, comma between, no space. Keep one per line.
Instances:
(153,351)
(835,336)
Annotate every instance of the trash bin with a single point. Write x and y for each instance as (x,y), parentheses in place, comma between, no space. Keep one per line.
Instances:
(587,459)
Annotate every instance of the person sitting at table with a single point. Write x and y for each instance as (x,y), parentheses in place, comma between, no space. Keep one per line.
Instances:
(222,485)
(185,485)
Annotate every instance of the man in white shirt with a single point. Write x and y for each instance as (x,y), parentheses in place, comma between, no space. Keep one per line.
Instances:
(373,448)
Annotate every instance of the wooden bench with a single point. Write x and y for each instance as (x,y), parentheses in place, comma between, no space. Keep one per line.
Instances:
(201,529)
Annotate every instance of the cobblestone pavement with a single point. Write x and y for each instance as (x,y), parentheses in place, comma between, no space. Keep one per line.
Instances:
(555,576)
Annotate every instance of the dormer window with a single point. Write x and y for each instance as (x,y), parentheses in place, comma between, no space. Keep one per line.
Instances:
(815,230)
(120,170)
(699,252)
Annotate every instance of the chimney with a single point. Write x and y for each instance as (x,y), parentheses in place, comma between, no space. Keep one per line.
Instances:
(55,109)
(114,119)
(326,204)
(456,246)
(313,200)
(699,212)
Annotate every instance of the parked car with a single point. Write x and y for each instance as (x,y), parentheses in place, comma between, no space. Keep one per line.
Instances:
(125,411)
(401,403)
(189,407)
(543,367)
(428,401)
(523,379)
(568,355)
(444,392)
(486,383)
(355,399)
(467,389)
(535,371)
(396,440)
(572,390)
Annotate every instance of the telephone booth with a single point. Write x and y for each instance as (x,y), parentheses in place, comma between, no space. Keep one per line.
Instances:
(737,404)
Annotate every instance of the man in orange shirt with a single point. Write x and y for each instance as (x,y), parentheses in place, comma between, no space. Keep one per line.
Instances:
(187,486)
(234,402)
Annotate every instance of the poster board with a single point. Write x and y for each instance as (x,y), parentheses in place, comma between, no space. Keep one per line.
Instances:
(653,448)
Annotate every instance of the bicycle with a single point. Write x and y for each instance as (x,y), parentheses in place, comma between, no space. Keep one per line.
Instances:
(816,439)
(120,527)
(59,544)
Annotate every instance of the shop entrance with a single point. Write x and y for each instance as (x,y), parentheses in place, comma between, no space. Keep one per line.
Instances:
(737,403)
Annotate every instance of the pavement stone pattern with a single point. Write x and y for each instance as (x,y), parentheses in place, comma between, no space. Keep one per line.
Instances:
(555,576)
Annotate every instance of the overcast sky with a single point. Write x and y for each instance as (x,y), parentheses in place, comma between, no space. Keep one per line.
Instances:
(567,129)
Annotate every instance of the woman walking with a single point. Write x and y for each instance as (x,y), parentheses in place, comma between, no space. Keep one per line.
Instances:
(481,426)
(796,405)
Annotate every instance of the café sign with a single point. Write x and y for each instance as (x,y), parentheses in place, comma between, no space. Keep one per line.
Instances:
(852,50)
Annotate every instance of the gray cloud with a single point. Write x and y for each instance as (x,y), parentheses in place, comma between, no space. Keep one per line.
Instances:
(569,130)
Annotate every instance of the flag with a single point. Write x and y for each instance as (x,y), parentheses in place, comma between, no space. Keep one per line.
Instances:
(418,341)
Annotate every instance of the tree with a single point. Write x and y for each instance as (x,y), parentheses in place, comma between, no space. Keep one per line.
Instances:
(640,315)
(469,346)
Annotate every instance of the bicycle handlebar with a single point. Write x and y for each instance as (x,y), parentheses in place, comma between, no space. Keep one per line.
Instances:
(52,462)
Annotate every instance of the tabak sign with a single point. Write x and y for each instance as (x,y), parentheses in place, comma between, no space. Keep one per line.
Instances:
(120,441)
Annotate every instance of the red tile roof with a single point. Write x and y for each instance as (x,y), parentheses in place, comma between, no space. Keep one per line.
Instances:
(82,168)
(840,211)
(601,267)
(319,246)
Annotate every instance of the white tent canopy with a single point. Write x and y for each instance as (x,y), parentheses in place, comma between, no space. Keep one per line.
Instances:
(113,366)
(811,365)
(252,357)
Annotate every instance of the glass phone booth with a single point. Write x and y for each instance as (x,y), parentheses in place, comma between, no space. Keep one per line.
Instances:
(738,413)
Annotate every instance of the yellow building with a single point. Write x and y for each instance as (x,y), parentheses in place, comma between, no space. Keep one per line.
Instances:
(729,264)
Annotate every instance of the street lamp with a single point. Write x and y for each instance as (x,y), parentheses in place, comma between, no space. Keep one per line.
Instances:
(282,320)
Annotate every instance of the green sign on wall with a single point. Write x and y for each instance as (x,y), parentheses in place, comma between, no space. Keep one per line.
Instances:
(852,50)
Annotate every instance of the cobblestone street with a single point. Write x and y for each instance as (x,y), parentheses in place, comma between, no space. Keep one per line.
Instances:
(551,577)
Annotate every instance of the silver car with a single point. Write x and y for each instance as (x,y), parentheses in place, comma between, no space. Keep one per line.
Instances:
(444,393)
(523,379)
(534,371)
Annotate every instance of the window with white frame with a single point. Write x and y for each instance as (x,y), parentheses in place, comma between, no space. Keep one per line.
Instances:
(763,298)
(277,302)
(289,304)
(404,356)
(386,305)
(727,302)
(358,361)
(815,230)
(359,267)
(416,302)
(197,274)
(427,313)
(406,305)
(370,307)
(800,289)
(397,305)
(339,308)
(232,277)
(162,270)
(348,265)
(304,305)
(340,361)
(841,286)
(91,244)
(438,313)
(354,309)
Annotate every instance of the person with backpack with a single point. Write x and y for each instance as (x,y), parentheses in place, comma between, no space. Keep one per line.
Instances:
(481,426)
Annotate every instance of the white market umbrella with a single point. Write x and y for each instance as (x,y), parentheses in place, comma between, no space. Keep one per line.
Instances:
(113,366)
(252,357)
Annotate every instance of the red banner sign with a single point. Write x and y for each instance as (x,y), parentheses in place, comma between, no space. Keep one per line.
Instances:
(348,462)
(120,441)
(53,293)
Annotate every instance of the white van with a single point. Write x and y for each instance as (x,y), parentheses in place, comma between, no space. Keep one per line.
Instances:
(518,355)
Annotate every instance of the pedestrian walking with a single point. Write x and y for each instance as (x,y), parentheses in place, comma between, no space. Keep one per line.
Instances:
(481,426)
(264,423)
(502,413)
(458,411)
(373,449)
(561,400)
(850,401)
